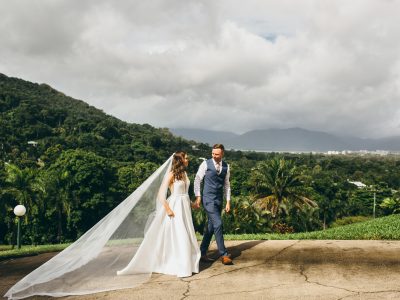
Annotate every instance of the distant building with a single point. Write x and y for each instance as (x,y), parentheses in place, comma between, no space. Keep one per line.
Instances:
(333,152)
(33,143)
(382,152)
(359,184)
(362,152)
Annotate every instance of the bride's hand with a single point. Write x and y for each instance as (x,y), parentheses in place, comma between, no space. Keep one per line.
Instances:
(170,213)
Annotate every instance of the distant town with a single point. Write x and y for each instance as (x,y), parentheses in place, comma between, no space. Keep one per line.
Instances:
(363,152)
(333,152)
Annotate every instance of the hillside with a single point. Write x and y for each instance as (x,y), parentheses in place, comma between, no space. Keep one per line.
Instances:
(39,113)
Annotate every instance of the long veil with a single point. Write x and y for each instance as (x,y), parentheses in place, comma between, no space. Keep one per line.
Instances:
(91,263)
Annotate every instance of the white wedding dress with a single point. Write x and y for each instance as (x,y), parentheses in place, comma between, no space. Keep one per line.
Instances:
(169,245)
(138,227)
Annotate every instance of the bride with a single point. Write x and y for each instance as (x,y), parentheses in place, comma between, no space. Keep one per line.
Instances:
(147,232)
(170,245)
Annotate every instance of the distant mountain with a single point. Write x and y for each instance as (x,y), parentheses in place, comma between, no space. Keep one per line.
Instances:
(291,139)
(204,136)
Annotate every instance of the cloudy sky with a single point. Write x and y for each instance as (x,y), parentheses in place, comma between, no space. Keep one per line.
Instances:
(227,65)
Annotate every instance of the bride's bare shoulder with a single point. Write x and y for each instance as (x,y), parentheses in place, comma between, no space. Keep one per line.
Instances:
(170,177)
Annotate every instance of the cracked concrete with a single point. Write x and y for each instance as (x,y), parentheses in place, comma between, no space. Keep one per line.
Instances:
(186,293)
(266,270)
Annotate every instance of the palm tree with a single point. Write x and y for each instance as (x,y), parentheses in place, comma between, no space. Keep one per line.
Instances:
(279,186)
(56,190)
(22,184)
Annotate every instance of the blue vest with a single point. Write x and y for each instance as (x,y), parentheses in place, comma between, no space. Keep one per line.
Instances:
(213,191)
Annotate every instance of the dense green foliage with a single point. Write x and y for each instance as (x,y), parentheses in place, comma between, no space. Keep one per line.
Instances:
(86,162)
(321,178)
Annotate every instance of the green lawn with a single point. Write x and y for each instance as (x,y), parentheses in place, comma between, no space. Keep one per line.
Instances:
(386,228)
(5,247)
(6,251)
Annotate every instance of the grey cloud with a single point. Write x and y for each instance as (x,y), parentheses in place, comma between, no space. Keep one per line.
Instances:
(332,66)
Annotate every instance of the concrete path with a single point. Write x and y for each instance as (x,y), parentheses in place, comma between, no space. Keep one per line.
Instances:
(266,270)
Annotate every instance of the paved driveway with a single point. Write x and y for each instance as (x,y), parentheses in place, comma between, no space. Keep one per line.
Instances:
(266,270)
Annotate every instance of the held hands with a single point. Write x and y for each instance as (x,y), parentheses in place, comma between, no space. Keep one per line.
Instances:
(196,203)
(228,206)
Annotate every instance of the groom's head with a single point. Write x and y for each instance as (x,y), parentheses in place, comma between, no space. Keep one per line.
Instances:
(218,152)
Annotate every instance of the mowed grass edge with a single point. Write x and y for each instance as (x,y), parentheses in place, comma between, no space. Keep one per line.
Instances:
(385,228)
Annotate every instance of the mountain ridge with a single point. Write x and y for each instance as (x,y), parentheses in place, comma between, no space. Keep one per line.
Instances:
(289,139)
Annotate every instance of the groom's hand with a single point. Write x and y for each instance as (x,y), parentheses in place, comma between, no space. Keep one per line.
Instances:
(228,206)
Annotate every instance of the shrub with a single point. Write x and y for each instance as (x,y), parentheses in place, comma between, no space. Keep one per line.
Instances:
(349,220)
(282,228)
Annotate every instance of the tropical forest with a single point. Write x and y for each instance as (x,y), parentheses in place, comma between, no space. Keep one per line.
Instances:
(70,164)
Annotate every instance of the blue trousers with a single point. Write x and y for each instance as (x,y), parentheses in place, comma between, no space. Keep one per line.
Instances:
(214,226)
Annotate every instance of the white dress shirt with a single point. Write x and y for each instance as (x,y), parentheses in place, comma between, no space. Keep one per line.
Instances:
(202,172)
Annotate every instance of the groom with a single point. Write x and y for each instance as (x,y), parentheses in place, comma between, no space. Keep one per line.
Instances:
(215,173)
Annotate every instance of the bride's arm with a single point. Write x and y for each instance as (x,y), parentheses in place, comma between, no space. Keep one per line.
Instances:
(168,210)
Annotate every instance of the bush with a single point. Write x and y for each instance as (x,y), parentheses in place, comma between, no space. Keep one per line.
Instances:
(282,228)
(245,217)
(349,220)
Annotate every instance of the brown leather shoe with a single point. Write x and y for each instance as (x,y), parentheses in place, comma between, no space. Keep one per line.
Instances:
(206,259)
(226,260)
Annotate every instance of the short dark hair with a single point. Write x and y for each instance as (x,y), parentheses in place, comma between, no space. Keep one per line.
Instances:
(219,146)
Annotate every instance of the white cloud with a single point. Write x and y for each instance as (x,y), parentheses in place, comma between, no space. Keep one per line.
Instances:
(231,65)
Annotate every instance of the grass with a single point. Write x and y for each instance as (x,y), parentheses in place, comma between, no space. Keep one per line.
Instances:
(5,247)
(6,252)
(385,228)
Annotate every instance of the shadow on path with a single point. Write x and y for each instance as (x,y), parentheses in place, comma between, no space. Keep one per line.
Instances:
(235,252)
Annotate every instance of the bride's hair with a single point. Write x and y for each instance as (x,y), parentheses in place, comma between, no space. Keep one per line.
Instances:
(178,166)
